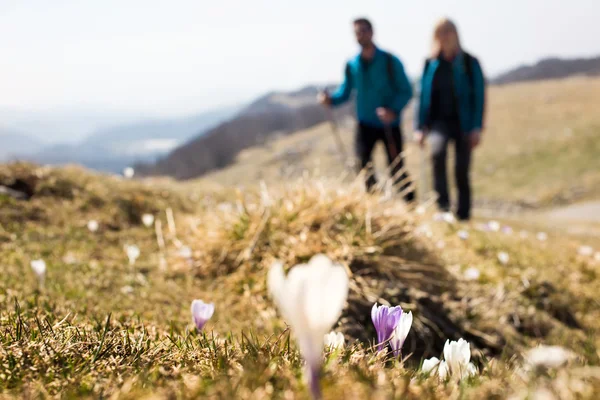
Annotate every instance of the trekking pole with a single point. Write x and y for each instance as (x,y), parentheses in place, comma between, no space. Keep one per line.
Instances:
(336,132)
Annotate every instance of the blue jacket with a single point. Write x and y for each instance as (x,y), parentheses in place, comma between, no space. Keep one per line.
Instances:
(375,87)
(470,93)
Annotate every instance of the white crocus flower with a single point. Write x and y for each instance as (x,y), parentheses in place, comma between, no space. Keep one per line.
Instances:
(334,340)
(472,274)
(39,267)
(586,251)
(548,356)
(503,257)
(542,236)
(128,172)
(449,218)
(494,226)
(93,225)
(434,365)
(463,234)
(185,252)
(310,299)
(148,220)
(457,355)
(133,253)
(443,370)
(401,332)
(430,364)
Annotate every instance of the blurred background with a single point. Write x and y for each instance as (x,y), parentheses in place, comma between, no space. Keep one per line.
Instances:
(181,88)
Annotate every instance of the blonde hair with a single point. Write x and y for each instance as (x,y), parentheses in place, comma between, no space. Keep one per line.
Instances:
(444,25)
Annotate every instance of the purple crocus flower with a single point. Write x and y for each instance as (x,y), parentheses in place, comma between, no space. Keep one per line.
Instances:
(385,320)
(201,313)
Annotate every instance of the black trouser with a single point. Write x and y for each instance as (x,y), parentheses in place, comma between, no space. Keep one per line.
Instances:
(366,139)
(440,135)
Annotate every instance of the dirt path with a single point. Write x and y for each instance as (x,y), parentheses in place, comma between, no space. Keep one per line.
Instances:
(581,219)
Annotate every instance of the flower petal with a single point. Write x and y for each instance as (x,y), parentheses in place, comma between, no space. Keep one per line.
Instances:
(430,364)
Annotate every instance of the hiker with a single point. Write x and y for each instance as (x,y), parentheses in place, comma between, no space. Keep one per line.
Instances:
(451,109)
(382,91)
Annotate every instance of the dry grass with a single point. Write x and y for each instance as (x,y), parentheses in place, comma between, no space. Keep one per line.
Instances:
(100,328)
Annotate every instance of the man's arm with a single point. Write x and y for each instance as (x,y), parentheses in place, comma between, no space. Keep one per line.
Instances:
(342,94)
(404,90)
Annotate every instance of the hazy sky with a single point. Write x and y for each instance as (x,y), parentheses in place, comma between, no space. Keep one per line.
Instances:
(174,57)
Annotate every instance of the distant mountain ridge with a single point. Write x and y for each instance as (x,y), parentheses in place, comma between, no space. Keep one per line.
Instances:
(275,113)
(550,68)
(112,149)
(14,143)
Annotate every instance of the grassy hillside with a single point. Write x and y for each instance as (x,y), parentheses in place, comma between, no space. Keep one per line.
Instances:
(99,327)
(540,147)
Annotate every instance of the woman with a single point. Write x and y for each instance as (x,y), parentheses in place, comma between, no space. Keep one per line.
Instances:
(450,109)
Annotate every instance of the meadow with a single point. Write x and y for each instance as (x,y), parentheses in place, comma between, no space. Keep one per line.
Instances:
(100,325)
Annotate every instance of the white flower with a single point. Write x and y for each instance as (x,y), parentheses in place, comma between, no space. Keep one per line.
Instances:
(128,172)
(457,361)
(463,234)
(311,299)
(185,252)
(458,356)
(548,356)
(472,274)
(494,226)
(430,364)
(448,217)
(586,251)
(334,340)
(443,370)
(201,313)
(542,236)
(597,256)
(435,365)
(424,230)
(127,289)
(39,267)
(420,210)
(147,220)
(507,230)
(93,225)
(133,252)
(503,257)
(401,332)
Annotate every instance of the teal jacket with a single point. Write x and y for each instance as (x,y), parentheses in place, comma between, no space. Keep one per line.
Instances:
(470,93)
(380,82)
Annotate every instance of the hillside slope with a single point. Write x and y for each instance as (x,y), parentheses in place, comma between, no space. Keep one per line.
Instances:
(551,68)
(533,131)
(275,114)
(98,325)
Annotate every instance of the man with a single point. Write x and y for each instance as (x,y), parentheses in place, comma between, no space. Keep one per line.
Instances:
(382,91)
